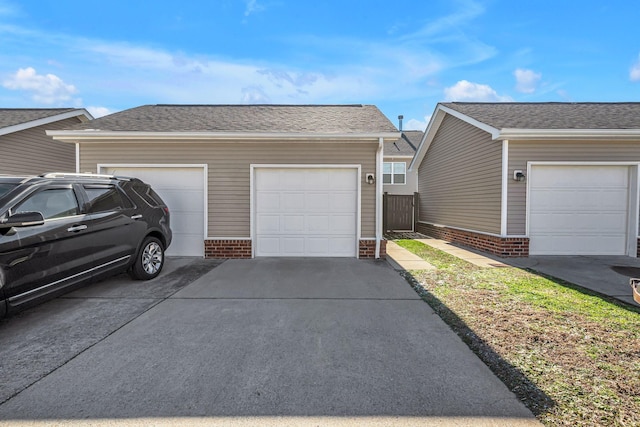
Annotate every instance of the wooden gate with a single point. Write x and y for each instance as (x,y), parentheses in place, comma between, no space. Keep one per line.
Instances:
(398,212)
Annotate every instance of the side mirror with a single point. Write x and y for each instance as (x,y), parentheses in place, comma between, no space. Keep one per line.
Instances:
(23,219)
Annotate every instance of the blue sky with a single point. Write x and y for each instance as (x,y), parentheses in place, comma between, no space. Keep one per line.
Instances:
(403,56)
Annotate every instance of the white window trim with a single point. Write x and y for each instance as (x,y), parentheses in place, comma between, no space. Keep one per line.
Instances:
(392,174)
(253,194)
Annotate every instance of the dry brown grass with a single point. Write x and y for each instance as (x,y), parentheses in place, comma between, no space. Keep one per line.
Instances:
(571,356)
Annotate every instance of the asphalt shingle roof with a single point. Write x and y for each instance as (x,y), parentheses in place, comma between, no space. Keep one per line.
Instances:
(321,119)
(405,146)
(18,116)
(552,115)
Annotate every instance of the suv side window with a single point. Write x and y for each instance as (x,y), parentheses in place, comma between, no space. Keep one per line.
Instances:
(51,203)
(147,194)
(104,198)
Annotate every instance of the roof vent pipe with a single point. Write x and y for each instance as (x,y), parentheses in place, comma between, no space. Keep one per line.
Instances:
(400,117)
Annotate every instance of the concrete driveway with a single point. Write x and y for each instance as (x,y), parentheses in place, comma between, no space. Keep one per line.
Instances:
(607,275)
(250,342)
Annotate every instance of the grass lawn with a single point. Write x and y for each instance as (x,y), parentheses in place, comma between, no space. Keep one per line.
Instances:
(571,356)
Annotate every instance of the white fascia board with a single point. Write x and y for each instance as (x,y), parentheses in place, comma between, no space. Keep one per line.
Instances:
(427,138)
(569,134)
(495,133)
(90,135)
(46,120)
(434,125)
(390,156)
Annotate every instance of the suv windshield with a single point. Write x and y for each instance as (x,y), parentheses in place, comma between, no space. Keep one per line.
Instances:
(5,188)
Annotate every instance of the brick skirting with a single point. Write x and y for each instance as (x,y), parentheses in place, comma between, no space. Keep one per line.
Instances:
(242,249)
(368,249)
(227,248)
(501,246)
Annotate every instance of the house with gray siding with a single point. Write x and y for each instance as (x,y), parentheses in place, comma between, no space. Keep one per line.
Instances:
(246,181)
(516,179)
(26,148)
(397,179)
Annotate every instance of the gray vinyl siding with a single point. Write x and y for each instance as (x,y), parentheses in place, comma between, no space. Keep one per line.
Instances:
(32,152)
(521,152)
(460,178)
(229,171)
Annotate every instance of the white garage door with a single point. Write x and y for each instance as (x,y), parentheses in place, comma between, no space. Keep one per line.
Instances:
(182,189)
(578,210)
(306,212)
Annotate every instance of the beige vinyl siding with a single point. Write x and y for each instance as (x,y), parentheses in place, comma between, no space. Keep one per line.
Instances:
(32,152)
(229,171)
(521,152)
(460,178)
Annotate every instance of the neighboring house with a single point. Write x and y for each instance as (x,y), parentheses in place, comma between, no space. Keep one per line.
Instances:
(397,178)
(532,178)
(27,150)
(252,180)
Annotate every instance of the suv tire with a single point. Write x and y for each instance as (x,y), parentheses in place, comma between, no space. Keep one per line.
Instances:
(149,260)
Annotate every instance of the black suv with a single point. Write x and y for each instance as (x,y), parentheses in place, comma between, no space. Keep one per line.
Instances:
(60,230)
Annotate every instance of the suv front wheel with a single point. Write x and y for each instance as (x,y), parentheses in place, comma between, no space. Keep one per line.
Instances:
(149,260)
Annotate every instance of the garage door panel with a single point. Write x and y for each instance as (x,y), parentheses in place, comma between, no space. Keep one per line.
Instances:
(578,210)
(268,223)
(317,224)
(292,202)
(313,218)
(268,201)
(292,224)
(182,189)
(318,201)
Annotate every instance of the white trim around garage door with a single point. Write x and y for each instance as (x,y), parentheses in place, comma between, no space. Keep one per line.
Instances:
(203,166)
(252,195)
(633,201)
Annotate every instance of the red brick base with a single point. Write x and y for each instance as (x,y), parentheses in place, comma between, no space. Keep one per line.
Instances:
(368,249)
(242,249)
(227,248)
(501,246)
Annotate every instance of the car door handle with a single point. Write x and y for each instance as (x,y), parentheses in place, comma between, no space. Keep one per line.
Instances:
(136,216)
(77,228)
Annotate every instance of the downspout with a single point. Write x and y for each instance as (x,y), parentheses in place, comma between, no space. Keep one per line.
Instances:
(379,195)
(78,157)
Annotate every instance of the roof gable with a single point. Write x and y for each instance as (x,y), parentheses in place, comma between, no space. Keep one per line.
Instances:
(540,121)
(17,119)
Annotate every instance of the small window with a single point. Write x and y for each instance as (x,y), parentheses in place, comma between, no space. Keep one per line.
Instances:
(106,198)
(394,173)
(51,203)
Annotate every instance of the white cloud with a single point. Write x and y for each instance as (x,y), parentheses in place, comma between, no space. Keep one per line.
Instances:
(352,69)
(468,91)
(46,89)
(253,7)
(415,124)
(99,111)
(634,74)
(526,80)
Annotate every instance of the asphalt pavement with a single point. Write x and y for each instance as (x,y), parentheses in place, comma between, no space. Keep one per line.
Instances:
(248,342)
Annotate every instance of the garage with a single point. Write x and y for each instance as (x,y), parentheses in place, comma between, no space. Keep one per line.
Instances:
(183,189)
(579,209)
(306,212)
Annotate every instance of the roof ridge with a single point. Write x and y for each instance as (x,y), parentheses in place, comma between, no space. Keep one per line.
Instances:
(256,105)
